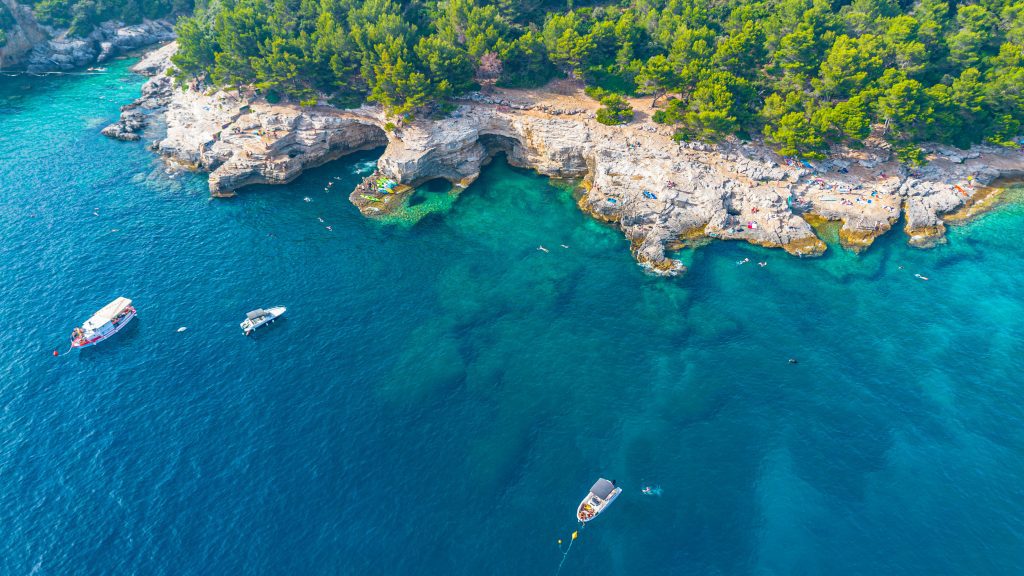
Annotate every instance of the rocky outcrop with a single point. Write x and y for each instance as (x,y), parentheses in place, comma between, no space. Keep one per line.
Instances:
(156,95)
(129,126)
(660,193)
(38,48)
(106,41)
(241,141)
(21,38)
(157,61)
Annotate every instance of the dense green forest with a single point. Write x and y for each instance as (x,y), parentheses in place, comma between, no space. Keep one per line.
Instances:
(801,72)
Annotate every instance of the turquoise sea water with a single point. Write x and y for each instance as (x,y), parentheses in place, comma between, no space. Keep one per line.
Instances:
(440,396)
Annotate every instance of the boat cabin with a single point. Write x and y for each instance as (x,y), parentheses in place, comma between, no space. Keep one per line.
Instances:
(602,493)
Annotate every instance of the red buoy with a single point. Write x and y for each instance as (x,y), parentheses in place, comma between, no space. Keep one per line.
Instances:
(55,353)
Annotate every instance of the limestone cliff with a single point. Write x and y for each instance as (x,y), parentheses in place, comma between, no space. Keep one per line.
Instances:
(660,193)
(21,38)
(37,48)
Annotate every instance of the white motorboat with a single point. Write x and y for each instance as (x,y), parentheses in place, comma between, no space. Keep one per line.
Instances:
(602,493)
(106,322)
(259,317)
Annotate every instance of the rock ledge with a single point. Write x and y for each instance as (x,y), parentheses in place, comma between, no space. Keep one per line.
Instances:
(660,193)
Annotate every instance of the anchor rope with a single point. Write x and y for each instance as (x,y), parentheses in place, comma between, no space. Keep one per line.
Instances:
(566,553)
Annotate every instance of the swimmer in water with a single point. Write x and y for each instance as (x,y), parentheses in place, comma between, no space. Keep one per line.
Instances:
(742,262)
(762,264)
(652,490)
(542,249)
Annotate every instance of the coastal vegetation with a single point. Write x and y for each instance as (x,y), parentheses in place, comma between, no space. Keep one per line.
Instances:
(803,73)
(614,108)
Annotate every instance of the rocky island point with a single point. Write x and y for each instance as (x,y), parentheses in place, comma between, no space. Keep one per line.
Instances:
(662,194)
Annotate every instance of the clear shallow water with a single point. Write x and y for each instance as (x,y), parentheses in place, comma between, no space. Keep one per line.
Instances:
(441,396)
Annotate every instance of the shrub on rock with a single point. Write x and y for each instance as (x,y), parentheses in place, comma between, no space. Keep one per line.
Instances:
(614,110)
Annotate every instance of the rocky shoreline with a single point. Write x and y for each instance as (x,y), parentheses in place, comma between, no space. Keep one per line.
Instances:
(156,95)
(36,48)
(661,194)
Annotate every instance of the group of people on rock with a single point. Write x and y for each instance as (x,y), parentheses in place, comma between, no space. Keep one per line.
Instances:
(369,184)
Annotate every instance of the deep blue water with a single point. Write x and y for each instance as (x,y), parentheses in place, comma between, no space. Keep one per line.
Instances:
(441,395)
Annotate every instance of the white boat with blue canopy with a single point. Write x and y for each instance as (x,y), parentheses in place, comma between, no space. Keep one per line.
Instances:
(601,495)
(260,317)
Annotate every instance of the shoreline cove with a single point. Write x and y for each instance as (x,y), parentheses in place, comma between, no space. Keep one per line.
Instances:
(659,193)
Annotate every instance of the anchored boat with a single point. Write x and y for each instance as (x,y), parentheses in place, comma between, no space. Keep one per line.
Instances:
(104,323)
(602,493)
(259,317)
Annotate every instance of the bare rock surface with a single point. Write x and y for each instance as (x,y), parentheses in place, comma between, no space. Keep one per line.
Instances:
(662,194)
(38,48)
(25,35)
(110,39)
